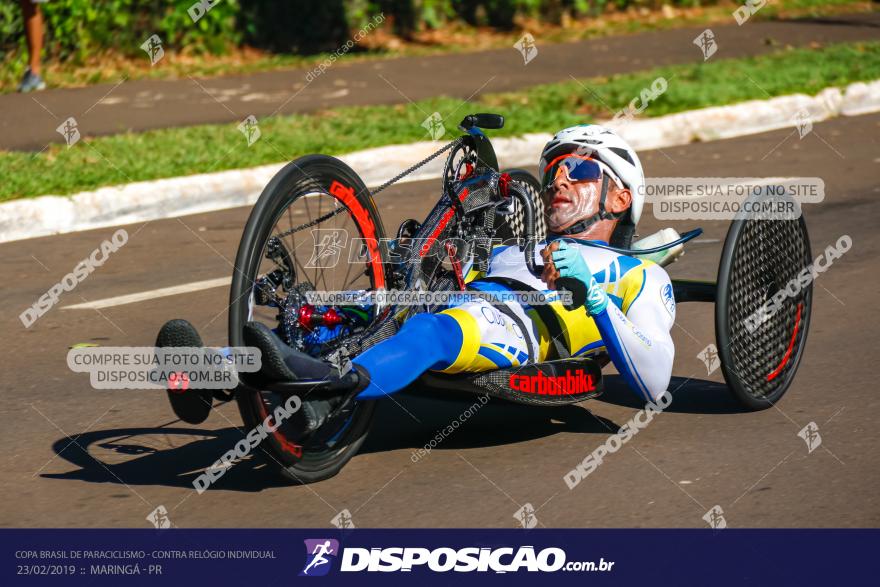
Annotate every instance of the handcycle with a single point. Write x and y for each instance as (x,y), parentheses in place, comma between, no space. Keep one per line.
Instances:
(318,196)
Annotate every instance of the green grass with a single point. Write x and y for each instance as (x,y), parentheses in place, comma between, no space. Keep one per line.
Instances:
(95,162)
(112,65)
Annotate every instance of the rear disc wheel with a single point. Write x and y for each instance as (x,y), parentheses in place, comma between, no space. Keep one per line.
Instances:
(762,313)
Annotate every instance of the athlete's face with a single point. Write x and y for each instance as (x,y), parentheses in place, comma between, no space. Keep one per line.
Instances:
(569,201)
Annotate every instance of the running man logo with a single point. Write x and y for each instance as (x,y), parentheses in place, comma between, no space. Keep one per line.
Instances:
(153,48)
(526,516)
(328,244)
(715,518)
(250,129)
(706,42)
(320,553)
(159,518)
(434,125)
(810,435)
(567,384)
(342,520)
(527,48)
(70,131)
(710,358)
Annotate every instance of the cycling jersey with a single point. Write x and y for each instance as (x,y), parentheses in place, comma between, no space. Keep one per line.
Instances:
(634,328)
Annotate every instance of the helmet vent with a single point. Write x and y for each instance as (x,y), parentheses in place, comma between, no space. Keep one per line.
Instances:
(622,154)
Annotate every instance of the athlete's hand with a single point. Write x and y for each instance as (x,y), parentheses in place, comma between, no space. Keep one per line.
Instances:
(550,274)
(569,262)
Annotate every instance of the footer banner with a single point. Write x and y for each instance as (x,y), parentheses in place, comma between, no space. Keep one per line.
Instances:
(355,557)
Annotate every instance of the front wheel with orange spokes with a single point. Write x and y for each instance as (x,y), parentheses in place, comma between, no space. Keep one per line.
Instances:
(315,228)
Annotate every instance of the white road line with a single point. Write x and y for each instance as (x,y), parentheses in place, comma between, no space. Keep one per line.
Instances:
(151,295)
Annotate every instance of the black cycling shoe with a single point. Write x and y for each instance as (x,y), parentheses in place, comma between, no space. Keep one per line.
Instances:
(190,405)
(282,363)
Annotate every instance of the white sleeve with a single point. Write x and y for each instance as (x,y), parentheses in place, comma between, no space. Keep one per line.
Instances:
(639,342)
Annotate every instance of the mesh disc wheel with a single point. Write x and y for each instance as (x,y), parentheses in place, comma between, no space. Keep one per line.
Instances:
(760,343)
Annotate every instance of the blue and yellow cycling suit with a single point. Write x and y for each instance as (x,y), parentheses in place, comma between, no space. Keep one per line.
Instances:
(633,329)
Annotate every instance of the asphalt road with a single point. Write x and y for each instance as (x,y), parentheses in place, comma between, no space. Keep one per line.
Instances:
(77,457)
(29,122)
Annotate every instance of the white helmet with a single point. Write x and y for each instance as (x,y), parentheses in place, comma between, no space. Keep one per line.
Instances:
(601,143)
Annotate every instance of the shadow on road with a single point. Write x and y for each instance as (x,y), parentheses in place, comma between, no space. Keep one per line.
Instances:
(689,396)
(174,457)
(171,466)
(459,421)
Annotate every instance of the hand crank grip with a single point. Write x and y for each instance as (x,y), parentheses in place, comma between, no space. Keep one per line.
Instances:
(577,289)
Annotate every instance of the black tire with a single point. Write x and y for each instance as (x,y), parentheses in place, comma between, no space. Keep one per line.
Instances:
(323,177)
(759,358)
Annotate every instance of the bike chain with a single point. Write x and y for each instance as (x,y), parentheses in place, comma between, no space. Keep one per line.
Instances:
(388,183)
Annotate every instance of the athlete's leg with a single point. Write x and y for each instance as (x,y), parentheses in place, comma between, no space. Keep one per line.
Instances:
(471,337)
(426,341)
(491,339)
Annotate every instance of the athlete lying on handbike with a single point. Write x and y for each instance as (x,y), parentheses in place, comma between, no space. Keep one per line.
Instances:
(591,181)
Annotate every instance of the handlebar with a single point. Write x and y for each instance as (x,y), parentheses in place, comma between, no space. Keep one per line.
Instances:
(482,120)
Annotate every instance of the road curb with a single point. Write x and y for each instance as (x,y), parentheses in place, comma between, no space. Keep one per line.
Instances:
(180,196)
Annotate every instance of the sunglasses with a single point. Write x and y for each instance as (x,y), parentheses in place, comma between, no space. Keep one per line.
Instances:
(576,168)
